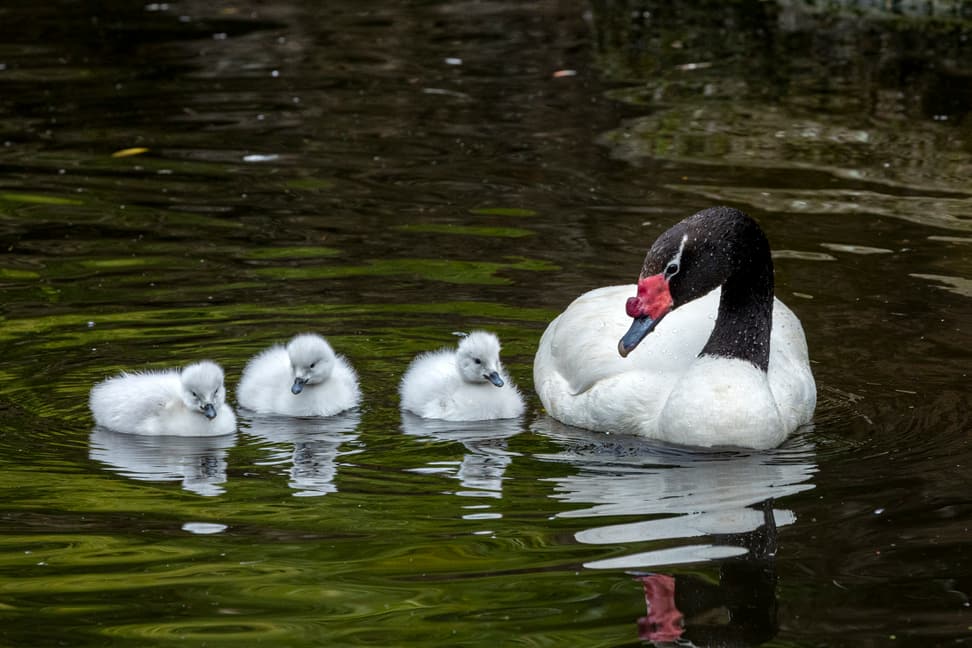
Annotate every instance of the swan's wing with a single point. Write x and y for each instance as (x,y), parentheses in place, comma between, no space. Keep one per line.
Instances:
(431,376)
(790,377)
(124,402)
(345,375)
(266,376)
(581,345)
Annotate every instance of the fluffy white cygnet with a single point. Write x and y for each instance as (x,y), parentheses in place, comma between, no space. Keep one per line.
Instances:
(466,384)
(165,403)
(304,378)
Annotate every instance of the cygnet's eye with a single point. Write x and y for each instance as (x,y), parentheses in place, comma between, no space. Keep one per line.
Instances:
(311,365)
(671,269)
(195,395)
(477,361)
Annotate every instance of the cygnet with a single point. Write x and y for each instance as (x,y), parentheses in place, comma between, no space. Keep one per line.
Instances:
(191,402)
(465,384)
(304,378)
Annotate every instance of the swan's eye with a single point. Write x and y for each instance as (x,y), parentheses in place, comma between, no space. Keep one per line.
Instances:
(671,269)
(477,361)
(311,365)
(195,395)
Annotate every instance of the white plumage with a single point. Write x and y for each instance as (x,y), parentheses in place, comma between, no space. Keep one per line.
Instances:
(304,378)
(707,356)
(465,384)
(165,403)
(664,390)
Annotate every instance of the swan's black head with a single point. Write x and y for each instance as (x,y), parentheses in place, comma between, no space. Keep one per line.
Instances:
(692,258)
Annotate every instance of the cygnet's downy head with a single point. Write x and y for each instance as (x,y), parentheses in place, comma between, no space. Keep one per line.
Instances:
(478,358)
(312,360)
(202,388)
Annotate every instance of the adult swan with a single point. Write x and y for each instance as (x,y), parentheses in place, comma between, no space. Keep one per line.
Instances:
(707,356)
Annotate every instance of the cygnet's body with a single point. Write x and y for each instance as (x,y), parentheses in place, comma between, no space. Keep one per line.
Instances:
(466,384)
(191,402)
(304,378)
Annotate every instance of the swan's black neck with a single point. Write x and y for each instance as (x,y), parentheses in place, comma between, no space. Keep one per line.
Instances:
(745,320)
(721,246)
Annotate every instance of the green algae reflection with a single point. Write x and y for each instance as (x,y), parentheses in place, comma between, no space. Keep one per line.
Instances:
(515,212)
(467,230)
(37,199)
(293,252)
(446,270)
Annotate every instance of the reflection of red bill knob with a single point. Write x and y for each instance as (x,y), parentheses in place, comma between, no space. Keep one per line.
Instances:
(664,621)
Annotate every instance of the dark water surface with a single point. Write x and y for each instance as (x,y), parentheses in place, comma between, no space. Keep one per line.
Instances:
(387,173)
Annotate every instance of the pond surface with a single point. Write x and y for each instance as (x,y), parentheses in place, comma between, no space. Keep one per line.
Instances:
(388,173)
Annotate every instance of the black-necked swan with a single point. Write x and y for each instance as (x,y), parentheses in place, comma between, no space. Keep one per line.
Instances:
(191,402)
(465,384)
(707,355)
(304,378)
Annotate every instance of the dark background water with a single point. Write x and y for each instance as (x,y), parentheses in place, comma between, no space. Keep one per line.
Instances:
(387,173)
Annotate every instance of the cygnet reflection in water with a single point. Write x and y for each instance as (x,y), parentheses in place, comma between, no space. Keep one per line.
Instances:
(310,446)
(701,494)
(486,456)
(198,462)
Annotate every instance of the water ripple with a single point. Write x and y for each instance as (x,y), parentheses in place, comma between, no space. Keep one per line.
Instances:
(673,493)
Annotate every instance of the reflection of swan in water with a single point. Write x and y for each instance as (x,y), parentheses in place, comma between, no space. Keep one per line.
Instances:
(678,495)
(674,493)
(486,457)
(311,445)
(738,610)
(200,462)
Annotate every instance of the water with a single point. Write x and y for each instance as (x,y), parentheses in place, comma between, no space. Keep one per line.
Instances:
(386,174)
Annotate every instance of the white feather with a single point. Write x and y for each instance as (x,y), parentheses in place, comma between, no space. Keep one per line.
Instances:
(449,384)
(663,389)
(331,383)
(164,403)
